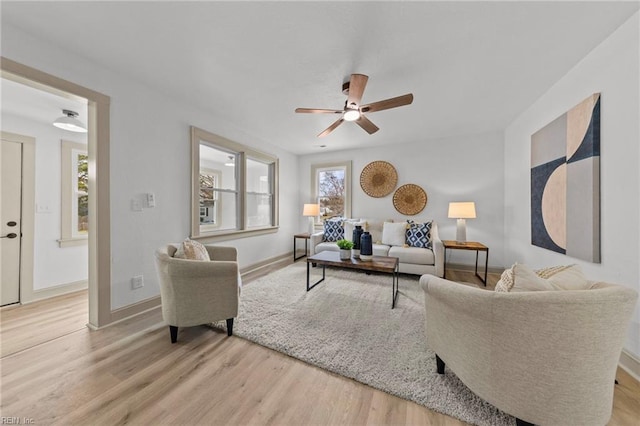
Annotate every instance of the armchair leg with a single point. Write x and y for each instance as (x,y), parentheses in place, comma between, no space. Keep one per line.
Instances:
(439,364)
(173,330)
(230,327)
(520,422)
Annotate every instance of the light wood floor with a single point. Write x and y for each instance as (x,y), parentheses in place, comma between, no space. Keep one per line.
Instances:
(130,373)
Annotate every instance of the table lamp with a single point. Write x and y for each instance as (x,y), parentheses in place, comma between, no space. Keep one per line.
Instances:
(462,211)
(311,210)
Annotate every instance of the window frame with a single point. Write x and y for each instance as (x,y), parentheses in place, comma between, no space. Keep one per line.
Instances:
(241,152)
(69,150)
(346,166)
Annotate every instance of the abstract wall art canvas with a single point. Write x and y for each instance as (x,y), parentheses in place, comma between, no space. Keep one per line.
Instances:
(565,183)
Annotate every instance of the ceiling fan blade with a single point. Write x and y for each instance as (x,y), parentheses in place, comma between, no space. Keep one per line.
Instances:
(356,88)
(388,103)
(367,125)
(318,111)
(331,128)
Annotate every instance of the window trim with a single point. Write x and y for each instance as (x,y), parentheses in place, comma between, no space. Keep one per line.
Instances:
(68,238)
(315,168)
(242,152)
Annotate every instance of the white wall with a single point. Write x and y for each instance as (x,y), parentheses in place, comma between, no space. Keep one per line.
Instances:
(150,152)
(53,265)
(465,168)
(612,69)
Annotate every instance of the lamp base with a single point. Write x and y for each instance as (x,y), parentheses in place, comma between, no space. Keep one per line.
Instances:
(311,225)
(461,231)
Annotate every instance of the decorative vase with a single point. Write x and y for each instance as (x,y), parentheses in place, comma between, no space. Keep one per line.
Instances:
(366,246)
(345,254)
(357,233)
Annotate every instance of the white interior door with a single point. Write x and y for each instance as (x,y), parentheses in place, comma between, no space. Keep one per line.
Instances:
(10,221)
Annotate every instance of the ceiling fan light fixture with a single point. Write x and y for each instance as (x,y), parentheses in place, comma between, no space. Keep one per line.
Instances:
(351,114)
(69,122)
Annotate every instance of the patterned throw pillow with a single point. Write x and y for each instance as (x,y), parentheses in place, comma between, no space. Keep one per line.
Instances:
(192,250)
(419,234)
(333,230)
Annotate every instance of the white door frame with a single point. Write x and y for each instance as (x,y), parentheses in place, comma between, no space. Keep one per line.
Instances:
(28,211)
(100,312)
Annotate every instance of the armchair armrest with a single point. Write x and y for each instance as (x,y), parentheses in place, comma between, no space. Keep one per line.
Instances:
(315,239)
(438,250)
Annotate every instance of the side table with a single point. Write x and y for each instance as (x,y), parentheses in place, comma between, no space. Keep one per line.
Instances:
(469,245)
(305,236)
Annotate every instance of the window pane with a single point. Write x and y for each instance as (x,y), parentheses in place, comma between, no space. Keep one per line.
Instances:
(83,173)
(331,192)
(219,213)
(83,214)
(259,210)
(258,177)
(222,161)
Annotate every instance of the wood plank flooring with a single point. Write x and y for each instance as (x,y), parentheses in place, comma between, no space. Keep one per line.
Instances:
(130,373)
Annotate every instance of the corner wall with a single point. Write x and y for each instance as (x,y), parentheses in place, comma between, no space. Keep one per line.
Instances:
(464,168)
(613,69)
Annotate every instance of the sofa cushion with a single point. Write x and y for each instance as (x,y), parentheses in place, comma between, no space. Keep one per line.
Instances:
(327,246)
(374,227)
(394,234)
(333,230)
(380,250)
(192,250)
(418,234)
(413,255)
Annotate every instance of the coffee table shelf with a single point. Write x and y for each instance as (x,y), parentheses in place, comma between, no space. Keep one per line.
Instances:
(386,264)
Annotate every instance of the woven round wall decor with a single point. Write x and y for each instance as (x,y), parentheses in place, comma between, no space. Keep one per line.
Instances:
(378,179)
(409,199)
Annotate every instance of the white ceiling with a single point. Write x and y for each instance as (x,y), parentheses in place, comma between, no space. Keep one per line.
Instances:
(472,66)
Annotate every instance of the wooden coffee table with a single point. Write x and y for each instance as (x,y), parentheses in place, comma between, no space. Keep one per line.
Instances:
(389,265)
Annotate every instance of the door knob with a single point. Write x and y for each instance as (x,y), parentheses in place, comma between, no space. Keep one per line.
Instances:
(12,223)
(11,235)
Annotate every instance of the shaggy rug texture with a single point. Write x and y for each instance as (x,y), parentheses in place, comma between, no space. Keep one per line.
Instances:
(346,325)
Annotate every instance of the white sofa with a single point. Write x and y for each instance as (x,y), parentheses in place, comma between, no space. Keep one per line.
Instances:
(413,260)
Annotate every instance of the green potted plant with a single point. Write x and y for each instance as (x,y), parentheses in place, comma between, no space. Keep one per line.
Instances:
(345,248)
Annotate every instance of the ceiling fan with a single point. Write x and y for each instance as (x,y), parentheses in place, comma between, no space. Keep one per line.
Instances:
(353,110)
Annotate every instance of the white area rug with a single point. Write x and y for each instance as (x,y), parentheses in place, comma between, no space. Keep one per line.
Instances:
(346,325)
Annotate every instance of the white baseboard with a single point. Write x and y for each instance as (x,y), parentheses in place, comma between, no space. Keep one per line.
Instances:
(28,295)
(630,363)
(267,262)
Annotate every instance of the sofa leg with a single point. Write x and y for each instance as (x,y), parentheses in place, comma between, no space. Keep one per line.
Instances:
(520,422)
(439,364)
(173,331)
(230,327)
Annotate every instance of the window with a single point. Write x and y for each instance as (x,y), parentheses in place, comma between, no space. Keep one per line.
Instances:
(331,189)
(234,187)
(75,195)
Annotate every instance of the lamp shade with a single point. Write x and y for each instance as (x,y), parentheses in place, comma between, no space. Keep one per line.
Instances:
(311,210)
(69,122)
(462,210)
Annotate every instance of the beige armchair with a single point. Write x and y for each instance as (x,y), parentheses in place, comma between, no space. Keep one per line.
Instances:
(545,357)
(197,292)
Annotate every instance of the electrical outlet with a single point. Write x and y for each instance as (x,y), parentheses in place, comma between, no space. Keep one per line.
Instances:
(137,282)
